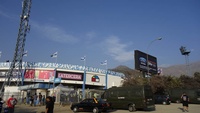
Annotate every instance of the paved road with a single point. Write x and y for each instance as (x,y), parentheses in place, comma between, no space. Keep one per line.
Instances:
(173,108)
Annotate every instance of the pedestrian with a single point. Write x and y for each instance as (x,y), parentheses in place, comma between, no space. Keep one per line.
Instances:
(11,102)
(40,99)
(185,101)
(31,100)
(43,100)
(24,100)
(1,104)
(49,105)
(35,99)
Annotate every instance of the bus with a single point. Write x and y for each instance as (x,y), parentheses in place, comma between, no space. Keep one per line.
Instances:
(130,97)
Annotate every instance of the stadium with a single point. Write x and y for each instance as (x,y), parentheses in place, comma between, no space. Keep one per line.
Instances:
(59,79)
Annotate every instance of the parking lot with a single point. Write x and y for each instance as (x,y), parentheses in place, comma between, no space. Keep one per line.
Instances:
(173,108)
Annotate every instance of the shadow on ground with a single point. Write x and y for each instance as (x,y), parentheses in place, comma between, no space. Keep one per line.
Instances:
(181,109)
(25,110)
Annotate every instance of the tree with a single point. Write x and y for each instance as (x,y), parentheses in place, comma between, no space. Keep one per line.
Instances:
(157,84)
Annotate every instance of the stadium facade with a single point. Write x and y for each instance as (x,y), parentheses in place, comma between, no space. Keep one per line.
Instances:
(40,76)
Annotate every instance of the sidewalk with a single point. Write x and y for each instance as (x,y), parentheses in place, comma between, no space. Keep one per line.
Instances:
(38,109)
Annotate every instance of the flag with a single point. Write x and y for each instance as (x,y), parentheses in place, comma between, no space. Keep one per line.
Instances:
(25,53)
(54,55)
(83,58)
(104,63)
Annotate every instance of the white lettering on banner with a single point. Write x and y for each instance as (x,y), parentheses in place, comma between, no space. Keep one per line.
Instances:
(70,76)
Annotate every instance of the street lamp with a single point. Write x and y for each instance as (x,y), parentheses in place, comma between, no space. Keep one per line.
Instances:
(160,38)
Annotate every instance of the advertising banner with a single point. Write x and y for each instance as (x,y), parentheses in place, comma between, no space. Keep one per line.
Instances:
(69,76)
(29,74)
(141,62)
(38,74)
(44,74)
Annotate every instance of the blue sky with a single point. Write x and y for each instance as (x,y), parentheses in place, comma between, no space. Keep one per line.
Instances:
(103,30)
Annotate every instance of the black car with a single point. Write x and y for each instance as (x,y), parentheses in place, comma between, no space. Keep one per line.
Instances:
(162,99)
(91,105)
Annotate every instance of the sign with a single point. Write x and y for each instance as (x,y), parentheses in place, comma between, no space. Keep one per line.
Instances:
(70,76)
(95,78)
(57,80)
(141,62)
(38,74)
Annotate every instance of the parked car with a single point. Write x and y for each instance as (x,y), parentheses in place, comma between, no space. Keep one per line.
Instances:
(162,99)
(91,105)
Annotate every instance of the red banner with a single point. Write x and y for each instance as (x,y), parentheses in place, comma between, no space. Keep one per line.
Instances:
(45,74)
(29,74)
(38,74)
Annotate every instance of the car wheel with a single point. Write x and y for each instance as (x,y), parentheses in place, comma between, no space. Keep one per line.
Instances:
(131,107)
(95,110)
(75,110)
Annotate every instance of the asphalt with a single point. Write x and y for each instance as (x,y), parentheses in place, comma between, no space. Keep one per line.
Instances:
(40,109)
(173,108)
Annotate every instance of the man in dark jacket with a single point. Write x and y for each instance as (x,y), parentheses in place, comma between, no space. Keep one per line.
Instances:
(49,105)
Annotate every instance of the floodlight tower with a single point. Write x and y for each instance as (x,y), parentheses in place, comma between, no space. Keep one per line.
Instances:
(14,74)
(185,52)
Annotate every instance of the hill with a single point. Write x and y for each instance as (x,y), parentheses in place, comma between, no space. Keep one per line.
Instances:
(178,70)
(175,70)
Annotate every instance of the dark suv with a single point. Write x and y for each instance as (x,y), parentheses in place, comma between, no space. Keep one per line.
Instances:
(162,99)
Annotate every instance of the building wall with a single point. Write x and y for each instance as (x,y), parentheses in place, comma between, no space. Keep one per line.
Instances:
(45,72)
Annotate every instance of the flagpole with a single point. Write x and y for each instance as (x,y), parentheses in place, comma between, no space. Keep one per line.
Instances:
(56,60)
(0,54)
(54,81)
(106,76)
(84,77)
(105,63)
(56,57)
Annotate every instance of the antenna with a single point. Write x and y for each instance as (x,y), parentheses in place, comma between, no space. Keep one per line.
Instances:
(14,74)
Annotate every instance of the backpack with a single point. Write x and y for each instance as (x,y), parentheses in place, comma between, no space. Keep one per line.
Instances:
(13,102)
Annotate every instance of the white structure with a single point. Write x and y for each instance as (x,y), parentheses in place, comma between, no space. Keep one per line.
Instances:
(71,75)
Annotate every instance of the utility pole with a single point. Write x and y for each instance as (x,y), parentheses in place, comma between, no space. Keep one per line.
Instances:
(14,74)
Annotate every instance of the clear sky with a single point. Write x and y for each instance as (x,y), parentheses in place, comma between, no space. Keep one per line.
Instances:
(103,30)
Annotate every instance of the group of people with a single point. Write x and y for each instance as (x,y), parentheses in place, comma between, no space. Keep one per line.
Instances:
(10,105)
(12,101)
(35,100)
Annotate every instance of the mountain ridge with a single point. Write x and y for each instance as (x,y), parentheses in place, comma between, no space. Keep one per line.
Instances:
(174,70)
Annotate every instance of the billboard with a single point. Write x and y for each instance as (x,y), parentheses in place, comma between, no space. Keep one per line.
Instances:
(141,62)
(38,74)
(69,76)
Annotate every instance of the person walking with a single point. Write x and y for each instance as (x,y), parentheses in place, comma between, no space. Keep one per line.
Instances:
(185,102)
(43,100)
(40,99)
(49,105)
(35,99)
(11,102)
